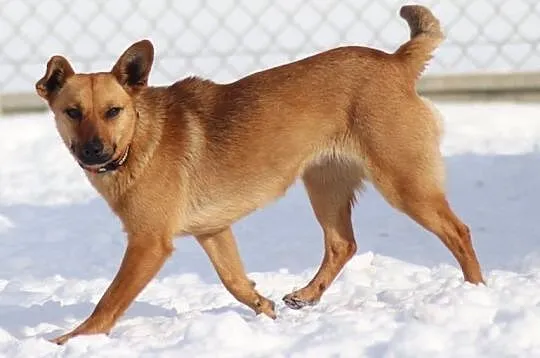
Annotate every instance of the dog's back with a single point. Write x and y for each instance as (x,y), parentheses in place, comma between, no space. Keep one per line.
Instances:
(261,132)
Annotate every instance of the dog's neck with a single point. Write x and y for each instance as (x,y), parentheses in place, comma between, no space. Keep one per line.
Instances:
(166,118)
(145,139)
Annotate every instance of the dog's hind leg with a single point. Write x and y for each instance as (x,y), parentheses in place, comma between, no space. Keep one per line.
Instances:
(428,207)
(223,253)
(330,186)
(410,176)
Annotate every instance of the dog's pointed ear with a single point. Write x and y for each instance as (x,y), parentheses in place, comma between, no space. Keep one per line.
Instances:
(56,75)
(133,67)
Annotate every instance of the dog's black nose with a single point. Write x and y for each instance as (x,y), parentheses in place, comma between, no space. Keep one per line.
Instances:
(92,152)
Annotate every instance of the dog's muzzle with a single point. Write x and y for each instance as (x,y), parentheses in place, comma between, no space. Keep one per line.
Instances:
(111,166)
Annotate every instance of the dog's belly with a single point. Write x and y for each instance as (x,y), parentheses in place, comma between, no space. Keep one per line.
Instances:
(219,207)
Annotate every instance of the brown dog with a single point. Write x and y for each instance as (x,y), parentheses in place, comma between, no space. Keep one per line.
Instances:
(195,157)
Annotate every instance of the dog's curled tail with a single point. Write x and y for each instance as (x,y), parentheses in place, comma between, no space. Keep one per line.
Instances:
(426,35)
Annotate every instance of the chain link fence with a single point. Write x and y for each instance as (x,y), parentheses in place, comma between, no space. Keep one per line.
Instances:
(226,39)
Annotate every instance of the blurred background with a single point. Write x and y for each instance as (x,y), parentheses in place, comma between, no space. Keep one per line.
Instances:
(491,51)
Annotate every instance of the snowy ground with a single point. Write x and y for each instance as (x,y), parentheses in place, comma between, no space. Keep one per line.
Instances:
(401,296)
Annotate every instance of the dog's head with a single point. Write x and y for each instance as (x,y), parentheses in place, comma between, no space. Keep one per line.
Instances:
(95,113)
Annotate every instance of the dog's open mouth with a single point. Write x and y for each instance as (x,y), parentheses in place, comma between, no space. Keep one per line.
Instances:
(109,166)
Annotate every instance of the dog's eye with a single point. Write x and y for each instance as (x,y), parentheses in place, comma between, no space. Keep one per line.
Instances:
(74,113)
(113,112)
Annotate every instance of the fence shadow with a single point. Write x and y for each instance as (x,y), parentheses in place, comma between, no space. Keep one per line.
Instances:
(496,195)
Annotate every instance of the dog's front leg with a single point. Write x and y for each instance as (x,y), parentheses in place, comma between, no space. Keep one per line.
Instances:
(142,260)
(223,253)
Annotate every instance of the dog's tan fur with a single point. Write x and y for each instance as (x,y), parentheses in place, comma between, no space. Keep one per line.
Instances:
(202,155)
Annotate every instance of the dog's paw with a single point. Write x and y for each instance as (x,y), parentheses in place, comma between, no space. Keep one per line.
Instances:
(265,306)
(61,340)
(296,303)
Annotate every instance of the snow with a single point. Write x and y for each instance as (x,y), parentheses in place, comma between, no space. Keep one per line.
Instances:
(402,295)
